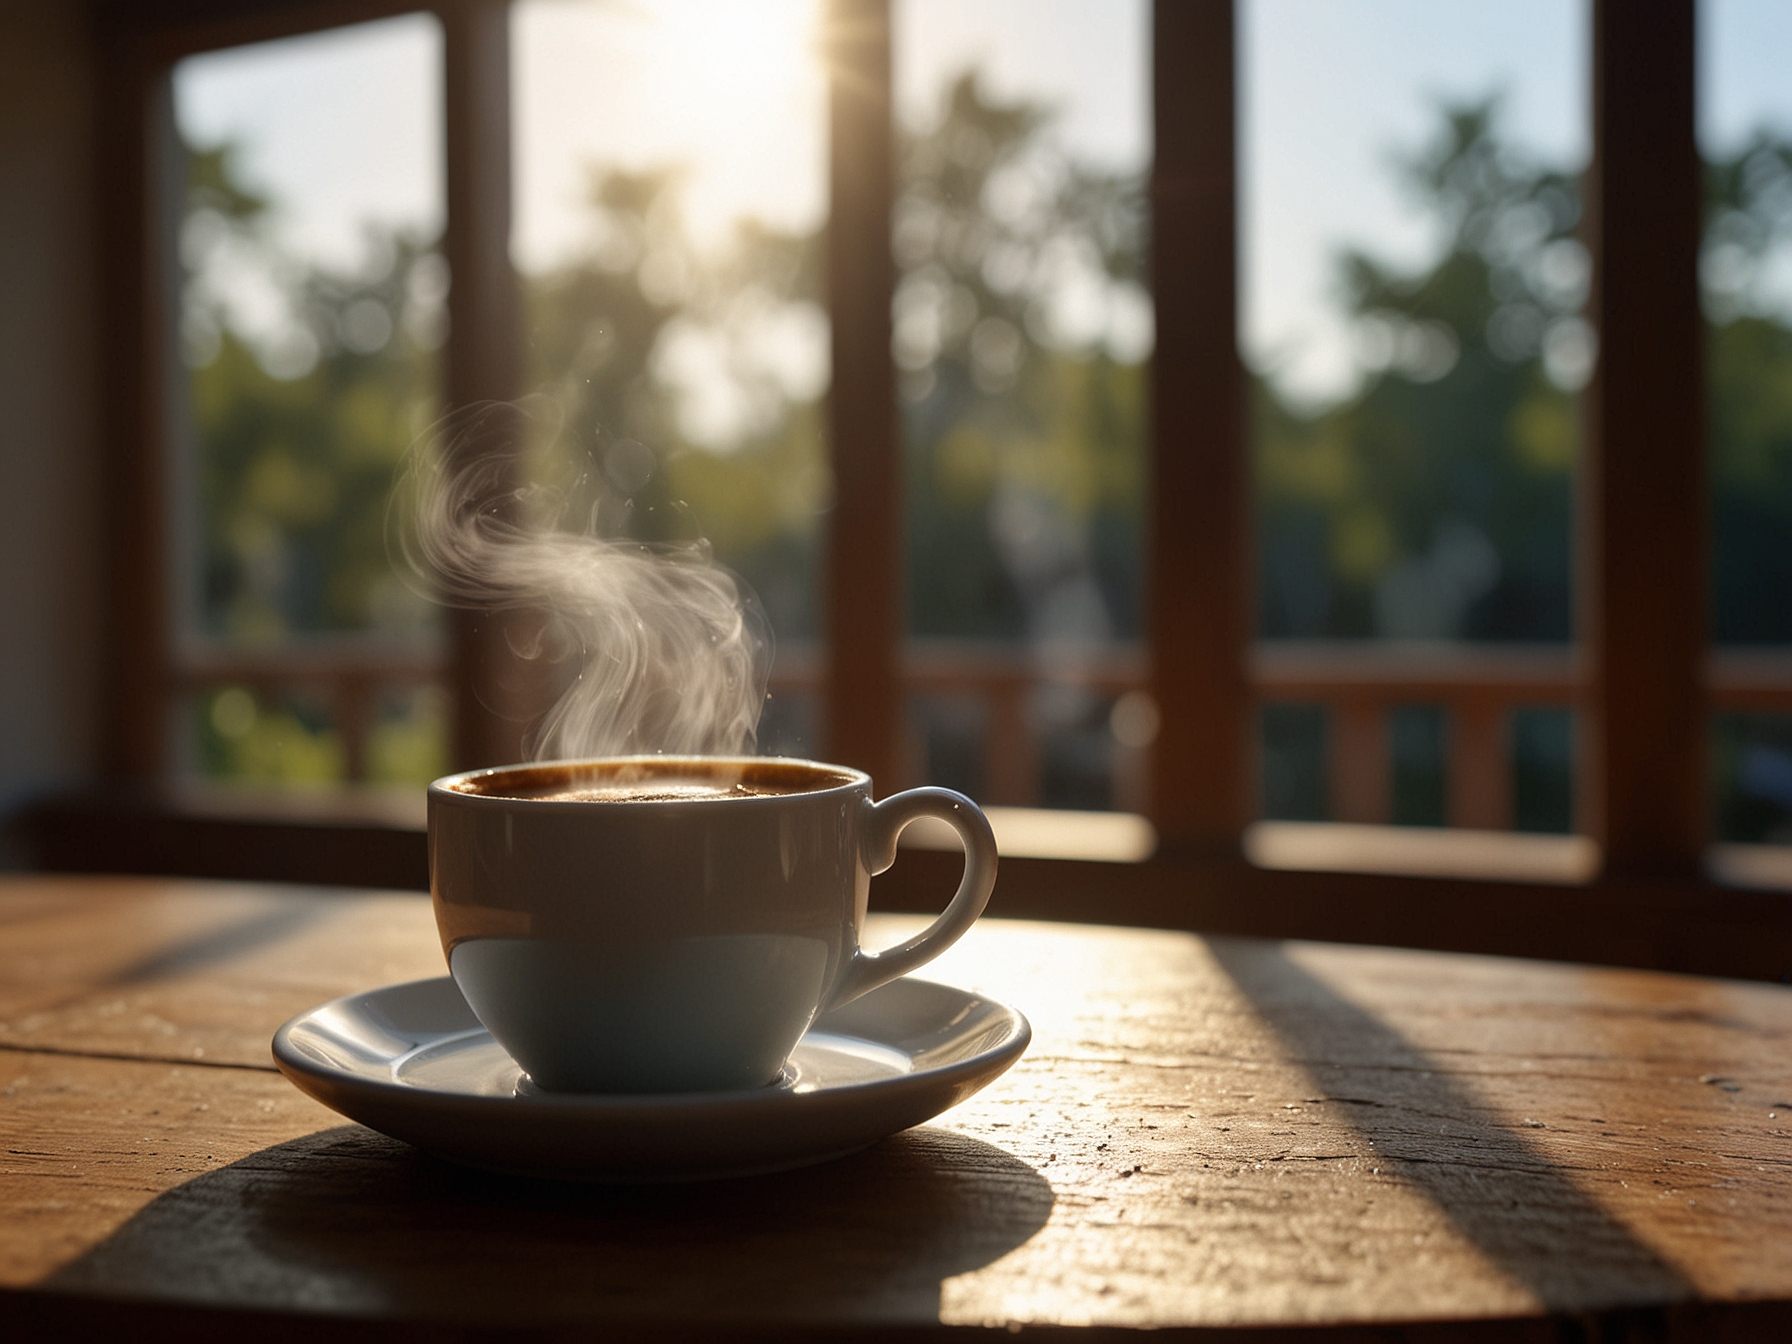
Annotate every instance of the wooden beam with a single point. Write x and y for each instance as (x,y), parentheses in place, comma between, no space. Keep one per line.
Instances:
(164,31)
(1481,892)
(1200,609)
(1644,499)
(862,693)
(483,351)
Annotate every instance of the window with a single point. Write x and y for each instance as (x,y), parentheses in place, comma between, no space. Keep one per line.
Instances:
(671,212)
(311,314)
(1745,135)
(1162,665)
(1022,330)
(1413,282)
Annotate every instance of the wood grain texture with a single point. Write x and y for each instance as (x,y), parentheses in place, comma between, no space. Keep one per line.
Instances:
(1206,1133)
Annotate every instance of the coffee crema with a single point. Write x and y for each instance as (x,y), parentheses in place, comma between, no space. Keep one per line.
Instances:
(655,780)
(661,791)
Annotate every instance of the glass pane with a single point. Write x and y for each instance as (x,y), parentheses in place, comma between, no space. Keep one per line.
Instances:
(1022,331)
(1542,743)
(1753,797)
(671,196)
(1293,769)
(1410,318)
(311,316)
(1746,268)
(1418,741)
(408,735)
(1745,132)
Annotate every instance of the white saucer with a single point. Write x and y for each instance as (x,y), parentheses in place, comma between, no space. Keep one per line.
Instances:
(413,1062)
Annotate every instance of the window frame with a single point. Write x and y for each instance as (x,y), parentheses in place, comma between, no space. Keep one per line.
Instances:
(1640,665)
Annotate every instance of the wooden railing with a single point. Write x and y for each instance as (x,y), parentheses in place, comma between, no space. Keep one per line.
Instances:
(1477,687)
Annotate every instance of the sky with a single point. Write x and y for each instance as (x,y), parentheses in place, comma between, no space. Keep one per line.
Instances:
(733,91)
(343,128)
(1089,59)
(340,128)
(1330,95)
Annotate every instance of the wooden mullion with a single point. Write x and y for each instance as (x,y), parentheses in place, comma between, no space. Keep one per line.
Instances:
(482,358)
(862,687)
(1199,558)
(134,317)
(1643,495)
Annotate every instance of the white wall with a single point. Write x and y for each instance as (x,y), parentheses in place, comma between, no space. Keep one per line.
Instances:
(50,561)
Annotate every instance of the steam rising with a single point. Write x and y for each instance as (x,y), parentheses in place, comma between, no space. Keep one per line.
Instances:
(671,650)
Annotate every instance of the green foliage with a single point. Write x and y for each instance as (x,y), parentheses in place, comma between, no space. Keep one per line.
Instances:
(1025,439)
(295,433)
(293,469)
(250,739)
(614,439)
(1748,230)
(293,479)
(1751,432)
(409,743)
(1020,330)
(280,743)
(213,184)
(1435,501)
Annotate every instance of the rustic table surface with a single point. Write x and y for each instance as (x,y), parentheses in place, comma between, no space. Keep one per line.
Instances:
(1205,1133)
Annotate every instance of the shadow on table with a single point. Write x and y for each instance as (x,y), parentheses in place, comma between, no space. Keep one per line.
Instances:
(212,947)
(1502,1192)
(349,1220)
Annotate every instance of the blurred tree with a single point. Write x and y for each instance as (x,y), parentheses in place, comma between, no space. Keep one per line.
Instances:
(1024,435)
(297,428)
(1748,238)
(1434,502)
(685,391)
(1021,326)
(306,385)
(665,420)
(1748,303)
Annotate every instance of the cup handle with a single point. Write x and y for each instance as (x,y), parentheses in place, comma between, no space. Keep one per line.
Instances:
(883,823)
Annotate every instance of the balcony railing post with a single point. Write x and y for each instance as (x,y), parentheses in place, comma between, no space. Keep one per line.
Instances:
(1357,751)
(1479,752)
(1200,609)
(353,712)
(1643,544)
(1011,753)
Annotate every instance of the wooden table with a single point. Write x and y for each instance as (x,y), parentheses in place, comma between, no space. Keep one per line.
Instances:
(1206,1133)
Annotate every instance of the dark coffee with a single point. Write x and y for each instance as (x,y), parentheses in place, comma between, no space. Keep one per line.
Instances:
(660,791)
(655,780)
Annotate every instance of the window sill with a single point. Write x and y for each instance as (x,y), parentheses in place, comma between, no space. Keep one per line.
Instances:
(1513,895)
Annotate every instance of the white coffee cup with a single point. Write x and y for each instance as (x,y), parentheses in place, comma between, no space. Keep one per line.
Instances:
(670,924)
